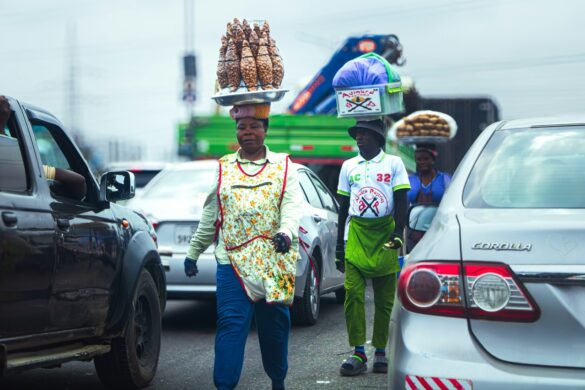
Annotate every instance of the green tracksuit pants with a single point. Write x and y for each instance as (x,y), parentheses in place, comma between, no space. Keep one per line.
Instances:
(355,308)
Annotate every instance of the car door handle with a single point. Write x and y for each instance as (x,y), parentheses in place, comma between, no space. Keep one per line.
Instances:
(316,218)
(10,219)
(63,223)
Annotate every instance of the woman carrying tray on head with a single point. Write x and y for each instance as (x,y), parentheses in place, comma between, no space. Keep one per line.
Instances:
(252,211)
(427,185)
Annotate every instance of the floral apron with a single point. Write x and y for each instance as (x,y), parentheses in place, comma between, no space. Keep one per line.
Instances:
(249,218)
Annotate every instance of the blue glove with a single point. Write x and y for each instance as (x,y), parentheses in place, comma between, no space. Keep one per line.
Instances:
(190,267)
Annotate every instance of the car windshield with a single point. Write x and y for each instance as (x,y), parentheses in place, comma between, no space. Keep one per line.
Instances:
(530,168)
(180,184)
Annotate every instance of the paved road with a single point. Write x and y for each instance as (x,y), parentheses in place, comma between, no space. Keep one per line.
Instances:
(315,354)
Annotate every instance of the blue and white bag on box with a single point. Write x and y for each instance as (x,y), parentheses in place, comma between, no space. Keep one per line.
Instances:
(367,87)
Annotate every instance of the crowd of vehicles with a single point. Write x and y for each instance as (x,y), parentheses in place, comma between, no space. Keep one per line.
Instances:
(80,279)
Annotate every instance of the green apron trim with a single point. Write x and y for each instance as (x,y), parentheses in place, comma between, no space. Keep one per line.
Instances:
(365,246)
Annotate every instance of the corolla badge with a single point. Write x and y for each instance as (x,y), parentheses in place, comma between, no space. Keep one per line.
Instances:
(502,246)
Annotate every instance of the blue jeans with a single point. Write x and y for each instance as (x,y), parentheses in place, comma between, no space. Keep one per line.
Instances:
(234,316)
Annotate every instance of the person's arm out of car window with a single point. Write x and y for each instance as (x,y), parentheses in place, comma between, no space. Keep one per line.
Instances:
(73,183)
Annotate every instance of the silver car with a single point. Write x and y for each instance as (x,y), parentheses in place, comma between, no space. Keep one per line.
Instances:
(493,296)
(173,201)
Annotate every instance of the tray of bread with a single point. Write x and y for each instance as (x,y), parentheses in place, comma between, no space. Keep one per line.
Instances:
(424,127)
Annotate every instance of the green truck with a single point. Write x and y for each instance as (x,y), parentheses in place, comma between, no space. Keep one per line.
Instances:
(318,141)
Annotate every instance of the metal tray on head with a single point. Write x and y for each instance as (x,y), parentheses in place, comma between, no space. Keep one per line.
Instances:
(422,139)
(254,97)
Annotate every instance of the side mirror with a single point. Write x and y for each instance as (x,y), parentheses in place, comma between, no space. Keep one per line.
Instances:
(117,185)
(420,216)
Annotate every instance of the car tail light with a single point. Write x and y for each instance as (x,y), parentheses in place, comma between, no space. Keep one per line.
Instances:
(490,291)
(495,293)
(153,226)
(154,223)
(432,288)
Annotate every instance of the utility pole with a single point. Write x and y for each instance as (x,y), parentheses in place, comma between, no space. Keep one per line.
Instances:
(71,82)
(189,80)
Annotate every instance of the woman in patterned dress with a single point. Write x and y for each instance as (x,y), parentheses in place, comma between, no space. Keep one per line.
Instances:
(252,213)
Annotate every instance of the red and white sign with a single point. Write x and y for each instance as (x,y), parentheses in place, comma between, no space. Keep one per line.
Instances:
(371,202)
(358,101)
(414,382)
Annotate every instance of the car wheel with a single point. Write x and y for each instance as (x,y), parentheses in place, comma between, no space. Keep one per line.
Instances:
(133,359)
(340,295)
(305,311)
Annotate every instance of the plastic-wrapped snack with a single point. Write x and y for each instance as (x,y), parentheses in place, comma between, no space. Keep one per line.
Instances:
(266,28)
(254,41)
(248,67)
(222,76)
(258,30)
(228,33)
(239,37)
(272,48)
(247,29)
(232,63)
(277,66)
(264,63)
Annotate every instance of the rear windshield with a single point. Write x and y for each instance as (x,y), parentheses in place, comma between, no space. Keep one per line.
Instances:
(530,168)
(143,177)
(180,184)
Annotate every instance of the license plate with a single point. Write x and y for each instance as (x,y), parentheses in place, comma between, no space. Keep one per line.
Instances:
(358,101)
(184,233)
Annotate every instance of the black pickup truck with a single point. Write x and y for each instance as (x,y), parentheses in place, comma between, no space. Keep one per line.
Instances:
(80,277)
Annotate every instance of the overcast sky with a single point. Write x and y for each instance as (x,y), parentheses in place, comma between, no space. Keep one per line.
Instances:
(529,55)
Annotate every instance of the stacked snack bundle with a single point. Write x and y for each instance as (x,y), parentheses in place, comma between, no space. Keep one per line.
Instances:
(249,60)
(431,125)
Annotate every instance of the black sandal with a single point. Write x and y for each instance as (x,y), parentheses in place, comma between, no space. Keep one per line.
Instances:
(353,365)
